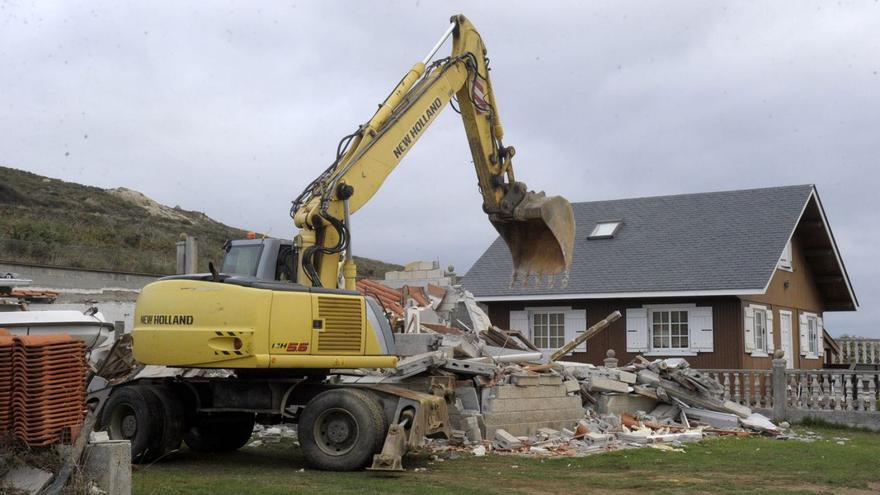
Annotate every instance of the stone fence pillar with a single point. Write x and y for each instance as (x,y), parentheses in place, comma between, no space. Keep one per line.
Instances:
(780,394)
(610,359)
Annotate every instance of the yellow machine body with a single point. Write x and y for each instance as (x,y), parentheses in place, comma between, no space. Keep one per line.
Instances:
(206,324)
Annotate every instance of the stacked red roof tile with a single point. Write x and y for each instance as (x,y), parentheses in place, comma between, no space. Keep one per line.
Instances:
(48,388)
(6,346)
(391,299)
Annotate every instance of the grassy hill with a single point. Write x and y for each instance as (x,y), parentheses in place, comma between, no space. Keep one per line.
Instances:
(49,221)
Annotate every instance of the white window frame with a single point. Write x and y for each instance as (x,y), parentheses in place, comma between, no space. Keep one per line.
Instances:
(760,335)
(785,262)
(812,336)
(670,351)
(560,324)
(766,333)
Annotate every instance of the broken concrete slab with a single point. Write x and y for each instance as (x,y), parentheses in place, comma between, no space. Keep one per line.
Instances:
(617,403)
(27,479)
(599,384)
(469,367)
(712,418)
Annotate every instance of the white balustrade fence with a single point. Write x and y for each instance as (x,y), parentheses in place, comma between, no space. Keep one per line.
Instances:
(857,350)
(814,390)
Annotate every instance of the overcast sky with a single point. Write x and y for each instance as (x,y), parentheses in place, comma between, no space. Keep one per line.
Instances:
(231,108)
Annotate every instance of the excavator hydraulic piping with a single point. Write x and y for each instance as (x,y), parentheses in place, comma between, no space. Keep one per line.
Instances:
(443,39)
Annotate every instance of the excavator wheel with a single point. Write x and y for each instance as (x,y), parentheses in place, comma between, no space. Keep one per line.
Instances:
(219,432)
(340,430)
(135,413)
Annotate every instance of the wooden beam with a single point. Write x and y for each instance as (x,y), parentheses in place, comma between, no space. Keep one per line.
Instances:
(839,305)
(580,339)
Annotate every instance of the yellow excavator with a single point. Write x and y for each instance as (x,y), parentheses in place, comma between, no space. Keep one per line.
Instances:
(285,316)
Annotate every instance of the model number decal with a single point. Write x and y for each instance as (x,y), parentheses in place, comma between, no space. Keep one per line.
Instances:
(291,346)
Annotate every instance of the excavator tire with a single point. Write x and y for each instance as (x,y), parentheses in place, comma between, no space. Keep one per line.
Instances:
(341,429)
(172,417)
(219,432)
(135,413)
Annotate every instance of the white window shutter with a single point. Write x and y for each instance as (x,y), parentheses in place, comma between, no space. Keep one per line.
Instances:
(636,330)
(804,335)
(519,320)
(820,337)
(575,324)
(770,345)
(749,329)
(701,329)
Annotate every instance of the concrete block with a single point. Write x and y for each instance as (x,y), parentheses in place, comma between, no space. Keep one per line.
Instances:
(538,417)
(572,386)
(598,438)
(474,432)
(108,465)
(468,397)
(626,377)
(599,384)
(26,479)
(534,392)
(624,403)
(525,379)
(505,440)
(548,432)
(536,404)
(411,344)
(550,380)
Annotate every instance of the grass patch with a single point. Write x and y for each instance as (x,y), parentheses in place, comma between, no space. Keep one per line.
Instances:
(724,465)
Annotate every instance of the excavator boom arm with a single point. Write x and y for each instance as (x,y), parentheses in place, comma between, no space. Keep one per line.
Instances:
(538,230)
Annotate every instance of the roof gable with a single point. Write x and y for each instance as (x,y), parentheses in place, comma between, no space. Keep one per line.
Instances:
(707,243)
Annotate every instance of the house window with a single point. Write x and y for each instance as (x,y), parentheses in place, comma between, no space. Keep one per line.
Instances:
(605,230)
(548,330)
(761,330)
(669,330)
(785,259)
(813,335)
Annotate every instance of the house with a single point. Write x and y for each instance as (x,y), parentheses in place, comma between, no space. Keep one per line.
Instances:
(722,279)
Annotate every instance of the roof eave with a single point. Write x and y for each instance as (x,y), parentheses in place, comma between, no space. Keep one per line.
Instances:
(620,295)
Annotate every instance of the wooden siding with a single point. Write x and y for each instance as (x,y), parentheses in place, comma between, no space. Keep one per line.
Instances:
(801,295)
(726,319)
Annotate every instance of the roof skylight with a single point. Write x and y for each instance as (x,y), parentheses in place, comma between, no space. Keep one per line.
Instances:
(605,230)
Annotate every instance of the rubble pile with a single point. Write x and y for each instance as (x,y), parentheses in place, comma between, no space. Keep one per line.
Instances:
(509,397)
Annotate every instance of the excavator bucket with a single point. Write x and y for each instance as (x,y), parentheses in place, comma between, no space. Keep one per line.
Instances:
(540,237)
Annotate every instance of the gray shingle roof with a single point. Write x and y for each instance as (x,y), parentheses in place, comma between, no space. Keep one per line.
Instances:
(727,241)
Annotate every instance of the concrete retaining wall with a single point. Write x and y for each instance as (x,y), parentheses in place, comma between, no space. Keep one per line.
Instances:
(56,278)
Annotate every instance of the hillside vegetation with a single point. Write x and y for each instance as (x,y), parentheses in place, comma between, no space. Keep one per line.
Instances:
(52,222)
